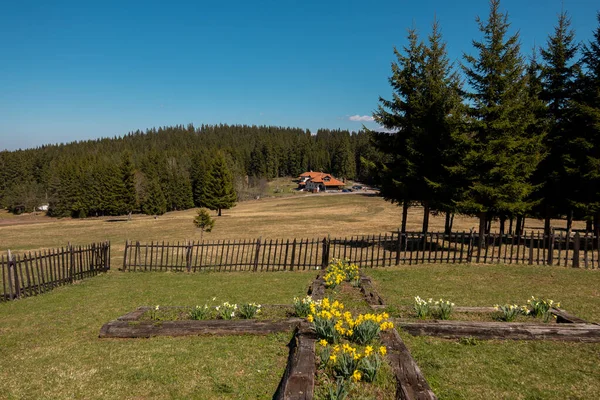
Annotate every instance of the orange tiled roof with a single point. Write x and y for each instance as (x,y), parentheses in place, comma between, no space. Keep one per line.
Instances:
(318,177)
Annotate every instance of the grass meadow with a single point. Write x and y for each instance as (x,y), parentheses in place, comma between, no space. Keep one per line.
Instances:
(50,349)
(498,369)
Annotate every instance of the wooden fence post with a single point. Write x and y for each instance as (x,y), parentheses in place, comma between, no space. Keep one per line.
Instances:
(13,278)
(551,248)
(576,246)
(293,255)
(399,249)
(531,249)
(125,255)
(72,261)
(325,255)
(188,257)
(107,257)
(470,246)
(256,254)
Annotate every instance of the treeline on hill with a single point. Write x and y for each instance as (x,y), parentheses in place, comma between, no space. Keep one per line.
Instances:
(520,138)
(170,168)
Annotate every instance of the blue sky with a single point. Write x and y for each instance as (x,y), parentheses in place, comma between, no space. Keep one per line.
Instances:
(74,70)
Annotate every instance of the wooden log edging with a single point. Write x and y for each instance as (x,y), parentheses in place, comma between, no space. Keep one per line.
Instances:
(298,381)
(317,288)
(573,332)
(410,382)
(370,294)
(146,329)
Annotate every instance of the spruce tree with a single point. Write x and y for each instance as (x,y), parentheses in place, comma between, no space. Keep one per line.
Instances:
(128,196)
(559,172)
(204,222)
(435,147)
(154,202)
(218,190)
(503,152)
(400,117)
(587,123)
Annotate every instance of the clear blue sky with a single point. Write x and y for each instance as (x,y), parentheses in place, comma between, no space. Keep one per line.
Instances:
(73,70)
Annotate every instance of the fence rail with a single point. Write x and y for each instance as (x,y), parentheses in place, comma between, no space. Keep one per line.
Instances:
(33,273)
(367,251)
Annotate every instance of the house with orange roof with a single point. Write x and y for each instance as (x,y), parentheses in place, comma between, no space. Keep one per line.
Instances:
(319,182)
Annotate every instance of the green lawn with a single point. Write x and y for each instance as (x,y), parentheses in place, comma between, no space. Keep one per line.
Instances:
(50,349)
(578,290)
(500,369)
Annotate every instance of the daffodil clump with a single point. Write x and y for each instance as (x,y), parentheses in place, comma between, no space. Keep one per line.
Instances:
(249,310)
(422,307)
(510,311)
(443,308)
(542,307)
(331,323)
(366,327)
(346,361)
(200,312)
(339,271)
(226,310)
(325,316)
(440,309)
(302,306)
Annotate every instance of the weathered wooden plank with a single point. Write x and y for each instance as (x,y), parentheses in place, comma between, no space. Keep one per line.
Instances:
(138,329)
(503,330)
(370,294)
(411,384)
(317,288)
(298,380)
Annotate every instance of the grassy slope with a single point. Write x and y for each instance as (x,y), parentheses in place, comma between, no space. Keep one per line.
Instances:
(500,369)
(49,344)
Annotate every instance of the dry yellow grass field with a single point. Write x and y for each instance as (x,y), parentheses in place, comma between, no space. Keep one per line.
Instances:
(297,216)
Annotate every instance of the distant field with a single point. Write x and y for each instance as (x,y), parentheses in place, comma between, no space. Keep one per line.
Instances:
(298,215)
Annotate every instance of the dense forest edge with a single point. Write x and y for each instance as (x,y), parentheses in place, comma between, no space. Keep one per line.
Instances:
(171,168)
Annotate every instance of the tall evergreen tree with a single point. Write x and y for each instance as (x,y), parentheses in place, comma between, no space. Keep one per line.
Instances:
(219,193)
(440,118)
(154,202)
(400,116)
(128,196)
(587,123)
(559,172)
(503,152)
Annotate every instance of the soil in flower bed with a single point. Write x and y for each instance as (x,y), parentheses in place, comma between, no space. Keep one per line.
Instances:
(408,313)
(174,313)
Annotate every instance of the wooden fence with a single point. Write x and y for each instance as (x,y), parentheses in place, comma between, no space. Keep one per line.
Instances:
(33,273)
(366,251)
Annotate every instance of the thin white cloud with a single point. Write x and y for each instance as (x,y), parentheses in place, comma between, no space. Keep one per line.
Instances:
(359,118)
